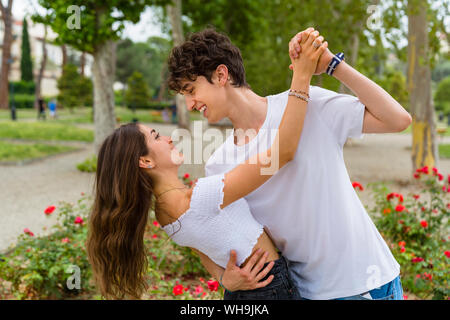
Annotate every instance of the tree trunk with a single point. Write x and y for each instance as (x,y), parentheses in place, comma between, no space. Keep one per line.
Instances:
(174,12)
(6,54)
(64,56)
(353,56)
(163,86)
(41,69)
(82,63)
(424,147)
(103,70)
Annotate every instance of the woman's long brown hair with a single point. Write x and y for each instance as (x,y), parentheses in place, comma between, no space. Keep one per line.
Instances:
(119,216)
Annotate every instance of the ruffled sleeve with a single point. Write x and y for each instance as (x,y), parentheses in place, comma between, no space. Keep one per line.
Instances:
(207,195)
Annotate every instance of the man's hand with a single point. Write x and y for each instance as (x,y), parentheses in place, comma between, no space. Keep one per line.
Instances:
(248,277)
(295,49)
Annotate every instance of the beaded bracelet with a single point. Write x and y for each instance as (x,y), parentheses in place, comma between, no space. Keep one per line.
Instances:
(292,93)
(300,91)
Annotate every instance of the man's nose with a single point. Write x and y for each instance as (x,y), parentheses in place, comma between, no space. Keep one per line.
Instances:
(190,103)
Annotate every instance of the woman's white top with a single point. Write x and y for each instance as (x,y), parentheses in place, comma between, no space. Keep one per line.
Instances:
(214,231)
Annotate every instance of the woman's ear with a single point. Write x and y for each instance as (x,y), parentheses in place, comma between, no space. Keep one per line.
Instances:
(146,163)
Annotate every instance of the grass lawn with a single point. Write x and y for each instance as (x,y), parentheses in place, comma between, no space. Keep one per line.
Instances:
(439,126)
(44,131)
(83,115)
(444,151)
(13,152)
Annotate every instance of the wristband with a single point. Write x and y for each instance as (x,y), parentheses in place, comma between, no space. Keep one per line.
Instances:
(334,63)
(220,281)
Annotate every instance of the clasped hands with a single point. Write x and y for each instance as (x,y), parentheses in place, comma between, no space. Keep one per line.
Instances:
(295,49)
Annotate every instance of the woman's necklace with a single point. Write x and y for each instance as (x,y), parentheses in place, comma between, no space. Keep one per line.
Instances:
(157,196)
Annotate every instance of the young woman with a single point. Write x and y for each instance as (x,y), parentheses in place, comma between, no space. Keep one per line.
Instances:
(135,163)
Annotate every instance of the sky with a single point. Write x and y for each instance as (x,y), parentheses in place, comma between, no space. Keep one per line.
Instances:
(139,32)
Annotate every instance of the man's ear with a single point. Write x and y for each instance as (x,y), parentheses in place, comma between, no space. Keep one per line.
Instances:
(222,74)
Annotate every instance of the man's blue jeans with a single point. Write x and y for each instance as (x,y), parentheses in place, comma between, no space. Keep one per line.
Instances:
(390,291)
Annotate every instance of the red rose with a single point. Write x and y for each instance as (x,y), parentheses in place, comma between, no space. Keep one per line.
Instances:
(213,285)
(154,236)
(65,240)
(186,176)
(357,185)
(28,232)
(423,208)
(402,243)
(417,259)
(448,178)
(155,223)
(427,276)
(386,211)
(441,177)
(393,194)
(402,249)
(435,170)
(447,253)
(416,196)
(198,290)
(178,289)
(49,210)
(399,208)
(416,175)
(425,169)
(423,223)
(78,220)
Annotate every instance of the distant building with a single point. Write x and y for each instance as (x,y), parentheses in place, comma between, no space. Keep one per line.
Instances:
(54,55)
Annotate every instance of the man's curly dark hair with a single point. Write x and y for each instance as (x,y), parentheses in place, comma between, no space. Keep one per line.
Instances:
(200,55)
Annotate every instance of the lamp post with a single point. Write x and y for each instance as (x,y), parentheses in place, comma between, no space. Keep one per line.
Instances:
(13,106)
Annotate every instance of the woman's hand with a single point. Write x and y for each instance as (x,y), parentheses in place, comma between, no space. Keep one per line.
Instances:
(312,47)
(295,49)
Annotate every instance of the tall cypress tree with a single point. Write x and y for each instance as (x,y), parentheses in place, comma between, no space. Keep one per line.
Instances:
(26,65)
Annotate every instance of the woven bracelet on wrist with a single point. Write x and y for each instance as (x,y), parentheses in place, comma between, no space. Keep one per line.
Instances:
(220,281)
(334,63)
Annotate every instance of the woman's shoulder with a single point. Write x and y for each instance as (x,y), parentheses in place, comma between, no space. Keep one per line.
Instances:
(174,208)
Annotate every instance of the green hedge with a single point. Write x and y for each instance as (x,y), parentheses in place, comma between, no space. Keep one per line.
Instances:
(154,105)
(23,87)
(24,101)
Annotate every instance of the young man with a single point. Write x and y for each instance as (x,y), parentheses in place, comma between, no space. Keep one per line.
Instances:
(309,208)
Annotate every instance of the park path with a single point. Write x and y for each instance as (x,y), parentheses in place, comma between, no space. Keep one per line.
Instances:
(28,189)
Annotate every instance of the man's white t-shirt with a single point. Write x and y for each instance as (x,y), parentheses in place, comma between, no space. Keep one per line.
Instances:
(310,207)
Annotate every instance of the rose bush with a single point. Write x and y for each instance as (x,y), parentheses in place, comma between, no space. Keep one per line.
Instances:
(38,266)
(416,228)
